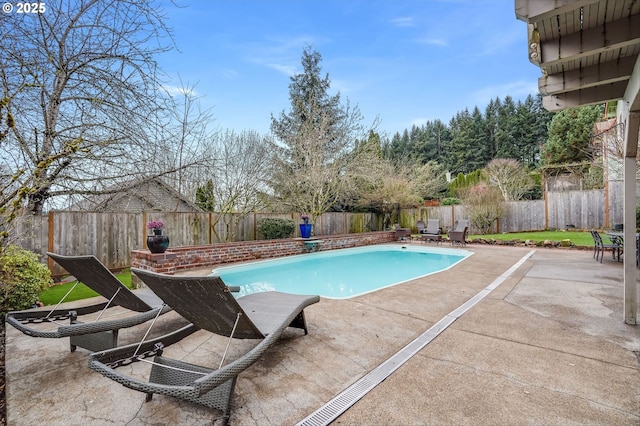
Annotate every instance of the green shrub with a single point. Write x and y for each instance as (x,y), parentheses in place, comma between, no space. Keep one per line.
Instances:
(450,201)
(535,192)
(273,229)
(22,278)
(462,182)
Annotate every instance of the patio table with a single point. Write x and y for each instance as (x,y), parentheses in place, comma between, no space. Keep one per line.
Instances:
(616,234)
(620,235)
(437,238)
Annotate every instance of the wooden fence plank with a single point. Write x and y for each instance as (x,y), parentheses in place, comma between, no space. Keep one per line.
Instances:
(112,236)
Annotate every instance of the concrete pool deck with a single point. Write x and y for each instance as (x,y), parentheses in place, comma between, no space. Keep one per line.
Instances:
(547,346)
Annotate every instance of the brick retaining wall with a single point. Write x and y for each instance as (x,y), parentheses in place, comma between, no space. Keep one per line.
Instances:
(192,257)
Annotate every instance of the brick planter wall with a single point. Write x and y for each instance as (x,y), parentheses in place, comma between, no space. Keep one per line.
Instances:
(191,257)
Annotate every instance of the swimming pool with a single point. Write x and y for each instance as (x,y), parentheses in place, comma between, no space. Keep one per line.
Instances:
(341,274)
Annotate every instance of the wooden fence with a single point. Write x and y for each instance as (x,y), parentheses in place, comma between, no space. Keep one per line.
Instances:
(112,236)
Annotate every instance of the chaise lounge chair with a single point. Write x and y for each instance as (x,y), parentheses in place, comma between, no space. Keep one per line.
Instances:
(96,335)
(458,234)
(207,303)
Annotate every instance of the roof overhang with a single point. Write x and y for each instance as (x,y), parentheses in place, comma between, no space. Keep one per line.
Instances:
(588,50)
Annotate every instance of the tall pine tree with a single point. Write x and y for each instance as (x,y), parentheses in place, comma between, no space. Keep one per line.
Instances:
(316,138)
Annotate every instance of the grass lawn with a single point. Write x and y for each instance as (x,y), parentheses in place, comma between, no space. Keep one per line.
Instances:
(579,238)
(53,295)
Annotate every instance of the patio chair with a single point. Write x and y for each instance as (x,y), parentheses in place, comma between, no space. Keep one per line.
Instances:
(401,233)
(458,234)
(432,232)
(207,304)
(95,335)
(599,247)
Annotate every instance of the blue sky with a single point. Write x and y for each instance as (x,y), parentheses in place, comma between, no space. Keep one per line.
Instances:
(404,61)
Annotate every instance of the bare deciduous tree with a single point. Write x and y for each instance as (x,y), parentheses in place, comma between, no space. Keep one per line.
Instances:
(85,96)
(316,140)
(484,205)
(510,177)
(391,191)
(429,179)
(185,142)
(236,181)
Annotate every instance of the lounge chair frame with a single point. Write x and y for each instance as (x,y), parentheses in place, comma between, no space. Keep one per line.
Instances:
(208,304)
(97,335)
(432,232)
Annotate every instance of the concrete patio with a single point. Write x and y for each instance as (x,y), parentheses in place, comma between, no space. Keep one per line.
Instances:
(547,346)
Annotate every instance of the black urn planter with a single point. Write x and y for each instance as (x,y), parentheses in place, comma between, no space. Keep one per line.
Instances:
(157,243)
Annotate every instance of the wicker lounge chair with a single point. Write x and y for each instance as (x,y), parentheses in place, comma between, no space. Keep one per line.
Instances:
(98,334)
(432,232)
(433,227)
(207,303)
(458,234)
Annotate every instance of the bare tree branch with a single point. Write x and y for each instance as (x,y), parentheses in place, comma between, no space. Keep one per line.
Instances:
(86,102)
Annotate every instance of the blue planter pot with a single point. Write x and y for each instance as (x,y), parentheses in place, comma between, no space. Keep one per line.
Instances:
(305,230)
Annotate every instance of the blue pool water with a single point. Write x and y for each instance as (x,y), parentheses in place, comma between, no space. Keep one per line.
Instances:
(341,274)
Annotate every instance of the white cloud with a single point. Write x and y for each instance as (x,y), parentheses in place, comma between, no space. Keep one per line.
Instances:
(288,70)
(229,73)
(179,91)
(434,41)
(405,21)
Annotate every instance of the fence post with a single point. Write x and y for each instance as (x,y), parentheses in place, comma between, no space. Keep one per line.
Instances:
(606,202)
(255,226)
(546,210)
(346,222)
(50,226)
(143,243)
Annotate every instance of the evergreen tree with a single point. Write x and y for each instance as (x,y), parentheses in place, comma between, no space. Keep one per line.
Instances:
(471,140)
(400,147)
(491,125)
(439,134)
(540,128)
(459,151)
(372,144)
(505,130)
(571,135)
(317,138)
(205,198)
(431,142)
(480,143)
